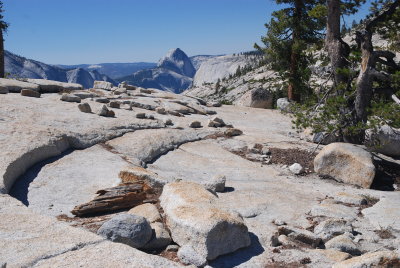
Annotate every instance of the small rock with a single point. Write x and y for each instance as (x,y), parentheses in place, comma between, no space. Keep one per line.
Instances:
(141,115)
(131,230)
(214,104)
(210,112)
(150,117)
(175,113)
(230,132)
(146,91)
(84,107)
(275,241)
(105,112)
(216,122)
(284,240)
(30,93)
(371,259)
(195,124)
(265,151)
(120,91)
(102,100)
(115,104)
(168,122)
(125,84)
(343,243)
(3,90)
(187,255)
(70,98)
(279,222)
(283,104)
(160,237)
(296,169)
(216,184)
(332,227)
(161,110)
(148,211)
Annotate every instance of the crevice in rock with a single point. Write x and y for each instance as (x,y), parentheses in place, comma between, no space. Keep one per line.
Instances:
(76,247)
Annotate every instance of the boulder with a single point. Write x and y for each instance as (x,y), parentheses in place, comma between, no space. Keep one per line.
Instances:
(283,104)
(371,259)
(160,237)
(296,169)
(346,163)
(105,112)
(125,84)
(257,98)
(195,124)
(160,110)
(148,211)
(30,93)
(102,85)
(168,122)
(128,229)
(102,100)
(216,122)
(188,255)
(330,228)
(230,132)
(115,104)
(141,115)
(198,222)
(16,86)
(385,141)
(70,98)
(85,95)
(119,91)
(84,107)
(50,86)
(343,243)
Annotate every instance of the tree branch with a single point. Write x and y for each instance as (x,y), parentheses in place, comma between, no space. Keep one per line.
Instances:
(396,100)
(387,10)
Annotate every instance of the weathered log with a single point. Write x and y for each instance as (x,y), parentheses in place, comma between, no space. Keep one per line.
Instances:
(123,196)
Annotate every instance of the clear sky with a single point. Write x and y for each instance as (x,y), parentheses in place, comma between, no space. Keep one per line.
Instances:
(99,31)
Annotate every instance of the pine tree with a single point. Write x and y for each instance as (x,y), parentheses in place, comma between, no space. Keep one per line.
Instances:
(3,28)
(292,29)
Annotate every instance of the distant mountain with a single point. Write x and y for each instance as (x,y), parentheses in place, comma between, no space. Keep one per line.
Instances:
(177,61)
(21,67)
(174,73)
(113,70)
(199,59)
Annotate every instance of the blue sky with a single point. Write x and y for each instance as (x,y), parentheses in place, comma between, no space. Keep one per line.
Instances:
(98,31)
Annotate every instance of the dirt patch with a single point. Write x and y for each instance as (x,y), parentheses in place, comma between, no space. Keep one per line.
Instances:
(293,155)
(280,264)
(384,234)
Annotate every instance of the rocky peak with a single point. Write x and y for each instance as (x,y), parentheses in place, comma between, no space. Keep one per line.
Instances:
(176,60)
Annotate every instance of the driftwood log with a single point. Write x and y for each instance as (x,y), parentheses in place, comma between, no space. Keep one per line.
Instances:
(123,196)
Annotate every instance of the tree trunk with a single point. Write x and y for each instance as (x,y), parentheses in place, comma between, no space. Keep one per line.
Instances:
(365,78)
(337,49)
(1,54)
(293,89)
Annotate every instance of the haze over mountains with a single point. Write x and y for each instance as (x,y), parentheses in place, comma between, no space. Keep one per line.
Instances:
(175,72)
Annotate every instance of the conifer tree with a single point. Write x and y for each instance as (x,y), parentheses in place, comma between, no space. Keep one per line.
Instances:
(3,29)
(289,33)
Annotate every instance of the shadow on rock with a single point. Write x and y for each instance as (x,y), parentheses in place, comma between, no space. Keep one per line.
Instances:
(240,256)
(20,188)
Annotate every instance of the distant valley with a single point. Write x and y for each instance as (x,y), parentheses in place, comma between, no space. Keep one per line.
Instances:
(175,72)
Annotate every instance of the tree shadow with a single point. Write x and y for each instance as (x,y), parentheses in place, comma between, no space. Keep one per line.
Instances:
(19,190)
(240,256)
